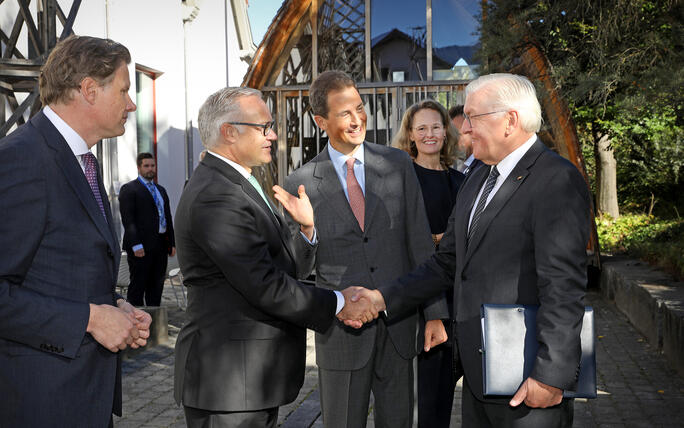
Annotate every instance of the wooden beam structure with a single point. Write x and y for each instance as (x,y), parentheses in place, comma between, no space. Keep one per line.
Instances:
(19,71)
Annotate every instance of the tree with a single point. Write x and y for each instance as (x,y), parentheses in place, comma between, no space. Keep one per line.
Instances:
(619,64)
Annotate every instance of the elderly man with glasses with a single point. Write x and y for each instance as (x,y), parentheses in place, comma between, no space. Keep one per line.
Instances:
(517,235)
(241,353)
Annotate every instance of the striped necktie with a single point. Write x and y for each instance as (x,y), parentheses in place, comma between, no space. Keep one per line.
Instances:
(489,185)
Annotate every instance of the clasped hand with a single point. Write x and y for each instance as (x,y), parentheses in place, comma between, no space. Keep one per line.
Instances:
(361,306)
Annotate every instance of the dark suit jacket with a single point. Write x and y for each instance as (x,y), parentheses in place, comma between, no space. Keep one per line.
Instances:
(243,346)
(396,239)
(57,254)
(140,218)
(529,248)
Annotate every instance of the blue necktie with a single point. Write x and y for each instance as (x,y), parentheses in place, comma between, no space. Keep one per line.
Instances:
(158,203)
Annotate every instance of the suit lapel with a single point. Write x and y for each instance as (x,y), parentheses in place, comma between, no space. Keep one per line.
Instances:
(504,194)
(375,185)
(74,174)
(331,190)
(247,187)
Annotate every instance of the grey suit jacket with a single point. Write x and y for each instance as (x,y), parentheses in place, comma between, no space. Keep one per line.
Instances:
(396,238)
(529,248)
(57,255)
(243,346)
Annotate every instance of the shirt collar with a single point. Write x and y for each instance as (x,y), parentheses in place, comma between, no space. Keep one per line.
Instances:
(469,161)
(243,172)
(338,159)
(76,142)
(509,162)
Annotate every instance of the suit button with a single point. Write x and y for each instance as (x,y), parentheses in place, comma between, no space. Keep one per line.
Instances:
(463,277)
(365,239)
(372,269)
(109,252)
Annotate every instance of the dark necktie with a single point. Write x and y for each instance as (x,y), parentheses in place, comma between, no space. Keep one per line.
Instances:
(489,185)
(158,203)
(90,164)
(356,199)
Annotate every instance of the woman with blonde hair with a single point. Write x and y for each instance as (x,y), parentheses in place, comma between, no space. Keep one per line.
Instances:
(430,138)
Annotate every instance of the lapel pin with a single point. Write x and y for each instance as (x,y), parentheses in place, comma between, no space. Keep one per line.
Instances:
(519,177)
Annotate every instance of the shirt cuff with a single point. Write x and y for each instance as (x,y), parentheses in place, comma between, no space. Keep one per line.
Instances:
(137,247)
(314,238)
(340,301)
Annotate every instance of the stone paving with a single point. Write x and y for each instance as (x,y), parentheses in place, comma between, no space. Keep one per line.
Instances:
(636,388)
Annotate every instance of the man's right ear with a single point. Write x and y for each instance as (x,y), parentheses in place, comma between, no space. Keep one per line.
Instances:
(228,132)
(321,122)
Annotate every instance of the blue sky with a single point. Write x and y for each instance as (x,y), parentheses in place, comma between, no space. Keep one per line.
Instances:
(454,21)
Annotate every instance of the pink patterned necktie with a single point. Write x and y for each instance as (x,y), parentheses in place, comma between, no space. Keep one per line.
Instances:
(356,199)
(90,164)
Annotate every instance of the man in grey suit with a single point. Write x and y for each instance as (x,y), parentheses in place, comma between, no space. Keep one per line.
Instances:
(372,227)
(517,235)
(241,353)
(61,323)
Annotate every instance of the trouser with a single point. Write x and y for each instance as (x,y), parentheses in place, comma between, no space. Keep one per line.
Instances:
(200,418)
(345,394)
(147,277)
(476,414)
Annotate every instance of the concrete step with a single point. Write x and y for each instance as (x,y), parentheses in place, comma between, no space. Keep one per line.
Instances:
(652,300)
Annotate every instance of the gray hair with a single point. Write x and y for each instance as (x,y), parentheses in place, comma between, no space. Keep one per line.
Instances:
(221,106)
(511,92)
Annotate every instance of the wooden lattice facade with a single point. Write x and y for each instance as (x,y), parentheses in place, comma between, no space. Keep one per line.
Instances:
(19,71)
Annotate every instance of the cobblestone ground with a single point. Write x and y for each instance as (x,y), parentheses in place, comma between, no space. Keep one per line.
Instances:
(636,388)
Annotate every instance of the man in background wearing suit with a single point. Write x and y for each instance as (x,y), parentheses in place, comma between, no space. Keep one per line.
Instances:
(372,227)
(464,144)
(61,322)
(517,235)
(148,233)
(241,353)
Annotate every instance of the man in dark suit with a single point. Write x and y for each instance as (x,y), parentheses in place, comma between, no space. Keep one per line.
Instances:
(372,227)
(241,353)
(517,235)
(61,322)
(148,233)
(464,144)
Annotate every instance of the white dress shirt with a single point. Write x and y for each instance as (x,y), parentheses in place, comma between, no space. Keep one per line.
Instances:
(76,143)
(504,167)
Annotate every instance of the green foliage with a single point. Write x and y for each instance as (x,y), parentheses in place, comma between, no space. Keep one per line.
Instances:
(660,242)
(618,63)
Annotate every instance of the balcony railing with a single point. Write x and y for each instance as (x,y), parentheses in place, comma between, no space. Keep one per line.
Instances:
(299,139)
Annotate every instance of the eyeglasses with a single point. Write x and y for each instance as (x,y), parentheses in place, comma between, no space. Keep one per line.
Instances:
(266,127)
(467,117)
(423,130)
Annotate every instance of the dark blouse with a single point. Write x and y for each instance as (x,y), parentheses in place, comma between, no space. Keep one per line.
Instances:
(439,194)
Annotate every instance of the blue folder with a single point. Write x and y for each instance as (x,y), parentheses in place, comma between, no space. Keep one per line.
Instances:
(509,345)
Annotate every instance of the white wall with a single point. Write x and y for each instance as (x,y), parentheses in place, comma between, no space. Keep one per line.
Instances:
(153,31)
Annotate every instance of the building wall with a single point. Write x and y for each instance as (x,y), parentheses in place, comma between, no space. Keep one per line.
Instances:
(154,32)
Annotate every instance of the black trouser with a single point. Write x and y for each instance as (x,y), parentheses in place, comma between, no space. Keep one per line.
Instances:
(200,418)
(147,277)
(436,383)
(479,414)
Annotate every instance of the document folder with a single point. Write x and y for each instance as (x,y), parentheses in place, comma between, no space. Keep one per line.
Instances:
(509,345)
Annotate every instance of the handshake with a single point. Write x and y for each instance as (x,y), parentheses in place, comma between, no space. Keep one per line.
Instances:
(361,306)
